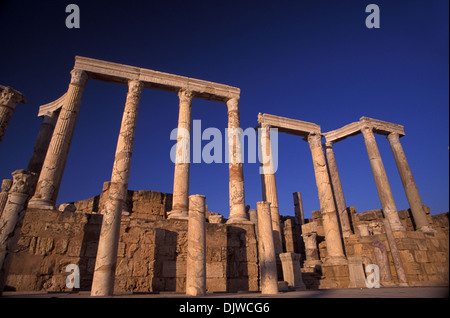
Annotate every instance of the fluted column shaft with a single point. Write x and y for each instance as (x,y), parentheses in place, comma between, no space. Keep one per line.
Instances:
(236,178)
(335,250)
(381,180)
(42,142)
(196,251)
(270,186)
(266,250)
(412,193)
(105,265)
(338,192)
(9,98)
(6,185)
(180,201)
(55,160)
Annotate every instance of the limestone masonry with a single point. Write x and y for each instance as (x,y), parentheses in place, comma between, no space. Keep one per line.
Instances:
(146,241)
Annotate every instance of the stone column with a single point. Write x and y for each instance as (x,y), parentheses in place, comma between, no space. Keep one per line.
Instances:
(398,264)
(9,98)
(298,208)
(105,264)
(412,193)
(381,180)
(236,181)
(180,201)
(270,186)
(42,143)
(55,160)
(196,251)
(338,192)
(335,250)
(22,186)
(6,185)
(309,234)
(266,250)
(291,270)
(382,260)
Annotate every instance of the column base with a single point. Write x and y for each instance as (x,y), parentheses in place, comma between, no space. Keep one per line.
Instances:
(237,219)
(41,204)
(178,215)
(333,261)
(427,229)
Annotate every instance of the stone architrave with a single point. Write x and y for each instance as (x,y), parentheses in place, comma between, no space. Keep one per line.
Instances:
(382,260)
(236,178)
(381,179)
(338,192)
(398,264)
(269,186)
(298,208)
(6,185)
(23,184)
(266,250)
(9,98)
(335,250)
(42,142)
(356,272)
(291,270)
(105,264)
(180,201)
(412,193)
(55,160)
(196,251)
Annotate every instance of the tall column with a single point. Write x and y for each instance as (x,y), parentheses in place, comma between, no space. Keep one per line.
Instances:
(335,250)
(412,193)
(381,180)
(196,252)
(55,160)
(180,201)
(298,208)
(236,181)
(338,192)
(42,143)
(266,250)
(22,186)
(105,264)
(270,186)
(6,185)
(398,264)
(9,98)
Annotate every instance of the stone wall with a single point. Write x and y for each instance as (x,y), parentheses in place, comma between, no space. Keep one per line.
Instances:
(151,258)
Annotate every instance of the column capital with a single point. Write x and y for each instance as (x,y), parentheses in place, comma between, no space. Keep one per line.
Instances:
(79,77)
(393,137)
(185,95)
(23,181)
(233,105)
(6,185)
(365,129)
(328,145)
(314,139)
(10,97)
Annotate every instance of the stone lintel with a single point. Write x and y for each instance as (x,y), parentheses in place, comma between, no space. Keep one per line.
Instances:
(119,73)
(379,126)
(48,109)
(288,125)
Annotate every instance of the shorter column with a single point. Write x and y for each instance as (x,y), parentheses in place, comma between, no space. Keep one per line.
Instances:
(381,180)
(9,98)
(266,250)
(398,264)
(23,185)
(42,142)
(196,251)
(309,234)
(6,185)
(338,192)
(291,270)
(412,193)
(298,208)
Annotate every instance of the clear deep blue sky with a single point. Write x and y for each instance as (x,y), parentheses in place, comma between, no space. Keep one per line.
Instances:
(310,60)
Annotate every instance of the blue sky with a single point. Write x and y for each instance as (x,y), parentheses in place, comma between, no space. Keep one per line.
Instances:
(310,60)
